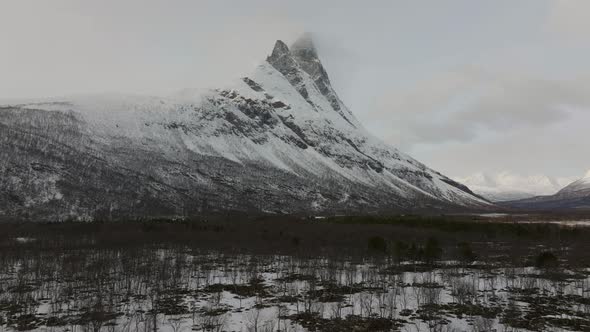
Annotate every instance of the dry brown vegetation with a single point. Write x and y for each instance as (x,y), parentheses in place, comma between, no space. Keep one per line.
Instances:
(334,274)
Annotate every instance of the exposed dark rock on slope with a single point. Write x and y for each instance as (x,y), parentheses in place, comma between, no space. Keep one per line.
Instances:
(277,141)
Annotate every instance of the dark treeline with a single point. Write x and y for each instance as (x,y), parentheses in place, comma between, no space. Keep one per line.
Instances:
(457,237)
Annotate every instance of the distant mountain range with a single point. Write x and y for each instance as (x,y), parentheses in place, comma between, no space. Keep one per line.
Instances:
(507,186)
(277,141)
(575,196)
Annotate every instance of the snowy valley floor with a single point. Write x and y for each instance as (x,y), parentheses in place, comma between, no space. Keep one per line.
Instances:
(410,273)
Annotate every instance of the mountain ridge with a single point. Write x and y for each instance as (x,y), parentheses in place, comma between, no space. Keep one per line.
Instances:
(277,141)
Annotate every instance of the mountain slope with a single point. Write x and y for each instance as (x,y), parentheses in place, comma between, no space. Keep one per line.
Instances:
(577,188)
(279,140)
(575,196)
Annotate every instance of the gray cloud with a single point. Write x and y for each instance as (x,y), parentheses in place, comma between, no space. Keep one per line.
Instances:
(65,46)
(472,121)
(557,150)
(568,19)
(466,104)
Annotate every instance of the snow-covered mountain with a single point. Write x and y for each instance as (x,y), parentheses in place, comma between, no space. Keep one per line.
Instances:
(574,196)
(578,187)
(277,141)
(508,186)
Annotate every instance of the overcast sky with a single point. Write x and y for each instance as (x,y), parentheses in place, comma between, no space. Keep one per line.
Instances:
(463,86)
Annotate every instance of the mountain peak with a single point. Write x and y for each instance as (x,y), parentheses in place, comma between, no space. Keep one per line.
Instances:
(301,59)
(257,136)
(279,50)
(587,175)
